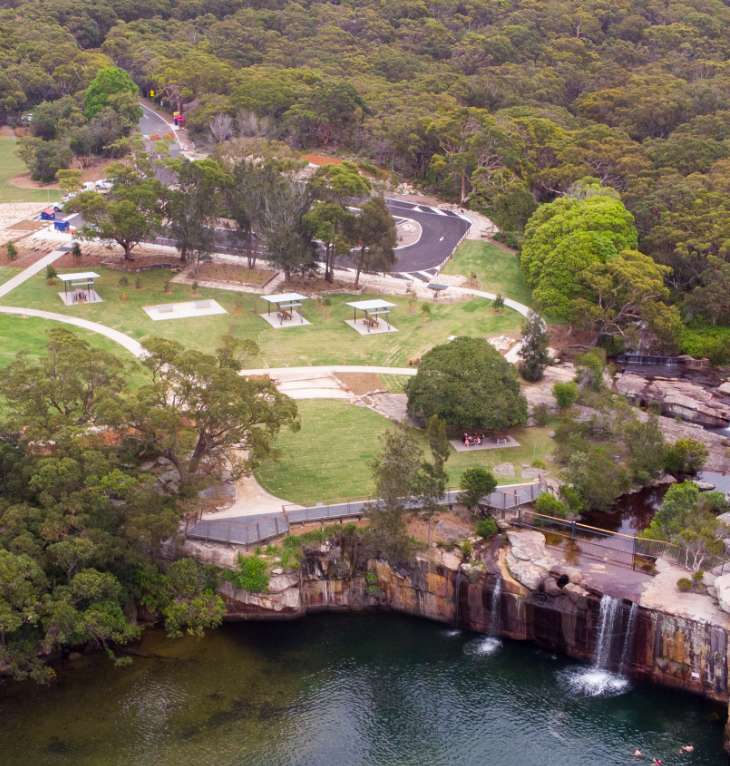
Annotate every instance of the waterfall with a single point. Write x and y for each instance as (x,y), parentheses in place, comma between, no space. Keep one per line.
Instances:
(628,647)
(489,644)
(457,598)
(494,612)
(607,619)
(598,679)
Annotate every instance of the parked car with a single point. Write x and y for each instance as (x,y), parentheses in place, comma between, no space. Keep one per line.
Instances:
(102,185)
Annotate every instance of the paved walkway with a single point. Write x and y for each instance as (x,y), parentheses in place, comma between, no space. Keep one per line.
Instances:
(30,271)
(254,528)
(130,344)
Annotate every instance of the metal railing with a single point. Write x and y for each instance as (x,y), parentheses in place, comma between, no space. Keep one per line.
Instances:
(260,528)
(627,550)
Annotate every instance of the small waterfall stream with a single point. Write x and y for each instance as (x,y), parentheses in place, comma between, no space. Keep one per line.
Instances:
(495,617)
(490,643)
(598,679)
(608,610)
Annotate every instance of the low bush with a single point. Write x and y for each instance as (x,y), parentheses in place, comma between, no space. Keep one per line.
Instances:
(498,302)
(684,584)
(51,273)
(565,394)
(486,528)
(549,505)
(685,457)
(252,574)
(11,251)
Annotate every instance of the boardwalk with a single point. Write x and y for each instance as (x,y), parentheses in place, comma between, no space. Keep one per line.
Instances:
(258,528)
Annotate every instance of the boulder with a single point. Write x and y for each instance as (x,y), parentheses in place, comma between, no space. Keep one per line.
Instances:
(527,558)
(722,589)
(683,399)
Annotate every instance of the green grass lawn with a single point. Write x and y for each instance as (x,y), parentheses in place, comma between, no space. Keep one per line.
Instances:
(327,340)
(6,272)
(496,268)
(10,166)
(330,458)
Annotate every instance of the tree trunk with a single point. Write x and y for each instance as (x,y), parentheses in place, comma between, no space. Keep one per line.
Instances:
(127,247)
(360,262)
(462,198)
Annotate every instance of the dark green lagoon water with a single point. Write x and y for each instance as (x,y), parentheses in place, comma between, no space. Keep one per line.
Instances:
(375,690)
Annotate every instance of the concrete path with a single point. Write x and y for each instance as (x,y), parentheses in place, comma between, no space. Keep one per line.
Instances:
(30,271)
(130,344)
(326,369)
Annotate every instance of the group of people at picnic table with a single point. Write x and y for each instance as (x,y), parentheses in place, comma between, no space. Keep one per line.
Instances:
(473,440)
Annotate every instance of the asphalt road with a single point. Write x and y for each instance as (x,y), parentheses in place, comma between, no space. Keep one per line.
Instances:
(441,230)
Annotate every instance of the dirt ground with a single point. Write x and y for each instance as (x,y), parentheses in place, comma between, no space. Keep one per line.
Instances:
(360,383)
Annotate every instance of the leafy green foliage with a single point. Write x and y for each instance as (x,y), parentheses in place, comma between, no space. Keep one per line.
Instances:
(476,482)
(486,528)
(565,394)
(469,385)
(688,518)
(251,574)
(534,356)
(109,82)
(549,505)
(685,457)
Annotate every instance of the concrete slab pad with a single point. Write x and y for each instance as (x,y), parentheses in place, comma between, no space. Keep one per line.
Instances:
(185,310)
(275,320)
(362,328)
(504,442)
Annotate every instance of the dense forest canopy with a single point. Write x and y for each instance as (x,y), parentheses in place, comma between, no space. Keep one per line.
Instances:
(500,104)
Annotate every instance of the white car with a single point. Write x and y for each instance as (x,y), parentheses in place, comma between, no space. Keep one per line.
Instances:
(103,185)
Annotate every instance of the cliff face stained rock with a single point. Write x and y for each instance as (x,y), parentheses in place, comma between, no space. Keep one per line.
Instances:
(668,649)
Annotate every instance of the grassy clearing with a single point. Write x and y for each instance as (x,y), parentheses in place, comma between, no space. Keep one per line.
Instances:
(327,340)
(329,459)
(6,272)
(10,166)
(497,269)
(30,334)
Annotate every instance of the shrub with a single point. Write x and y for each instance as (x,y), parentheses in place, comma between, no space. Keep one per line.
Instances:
(76,250)
(549,505)
(252,574)
(486,527)
(565,394)
(195,286)
(11,251)
(51,273)
(684,584)
(697,577)
(541,414)
(685,457)
(467,549)
(426,309)
(498,303)
(123,281)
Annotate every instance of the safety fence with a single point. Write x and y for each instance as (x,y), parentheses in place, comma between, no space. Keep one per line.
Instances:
(618,548)
(260,528)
